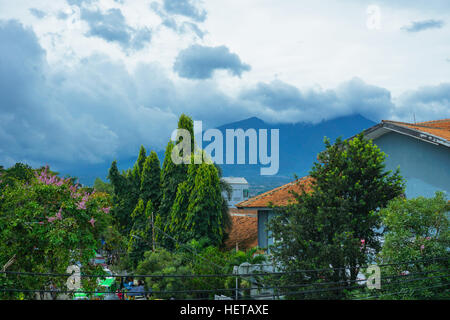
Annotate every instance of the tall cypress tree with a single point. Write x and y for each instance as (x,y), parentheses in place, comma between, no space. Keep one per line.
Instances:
(177,222)
(140,237)
(141,159)
(172,175)
(197,210)
(185,122)
(121,199)
(151,180)
(204,214)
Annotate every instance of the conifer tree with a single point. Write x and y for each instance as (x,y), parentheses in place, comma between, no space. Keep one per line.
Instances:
(141,159)
(172,175)
(197,212)
(177,223)
(204,215)
(121,200)
(151,180)
(140,237)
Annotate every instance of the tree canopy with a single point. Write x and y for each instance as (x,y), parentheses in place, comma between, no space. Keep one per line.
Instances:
(336,226)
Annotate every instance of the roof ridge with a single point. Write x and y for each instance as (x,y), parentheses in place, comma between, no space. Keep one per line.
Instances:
(269,192)
(421,124)
(436,121)
(252,199)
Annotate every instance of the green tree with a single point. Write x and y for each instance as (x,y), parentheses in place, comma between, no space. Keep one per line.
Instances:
(163,262)
(141,160)
(194,258)
(204,218)
(151,180)
(227,191)
(47,224)
(140,239)
(102,186)
(186,123)
(127,190)
(121,198)
(171,176)
(336,226)
(416,230)
(178,223)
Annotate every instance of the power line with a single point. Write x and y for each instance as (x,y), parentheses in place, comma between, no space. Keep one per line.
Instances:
(212,275)
(400,292)
(293,293)
(233,289)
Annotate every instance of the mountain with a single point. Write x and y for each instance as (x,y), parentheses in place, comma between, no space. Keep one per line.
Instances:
(299,145)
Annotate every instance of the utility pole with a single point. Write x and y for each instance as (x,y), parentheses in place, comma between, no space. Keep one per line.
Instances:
(236,271)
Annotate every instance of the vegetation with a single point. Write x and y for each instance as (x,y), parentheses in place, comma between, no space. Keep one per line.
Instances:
(336,227)
(183,200)
(416,230)
(191,259)
(173,221)
(103,186)
(47,224)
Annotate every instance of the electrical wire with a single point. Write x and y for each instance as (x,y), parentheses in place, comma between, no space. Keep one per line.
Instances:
(209,275)
(400,292)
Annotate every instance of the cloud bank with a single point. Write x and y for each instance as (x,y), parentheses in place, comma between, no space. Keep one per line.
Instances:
(98,110)
(417,26)
(199,62)
(112,27)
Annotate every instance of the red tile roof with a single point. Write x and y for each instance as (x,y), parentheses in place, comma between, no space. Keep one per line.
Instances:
(439,128)
(280,196)
(244,230)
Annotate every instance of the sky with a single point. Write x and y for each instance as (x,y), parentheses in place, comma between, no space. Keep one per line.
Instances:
(89,81)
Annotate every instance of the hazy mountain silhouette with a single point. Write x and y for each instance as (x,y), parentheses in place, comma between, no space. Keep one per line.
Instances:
(299,145)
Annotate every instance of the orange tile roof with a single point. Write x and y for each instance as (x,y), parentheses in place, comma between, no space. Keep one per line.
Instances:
(280,196)
(439,128)
(244,230)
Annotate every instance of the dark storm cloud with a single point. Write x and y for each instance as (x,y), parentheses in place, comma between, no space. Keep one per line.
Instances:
(38,13)
(112,27)
(417,26)
(180,27)
(97,110)
(188,8)
(200,62)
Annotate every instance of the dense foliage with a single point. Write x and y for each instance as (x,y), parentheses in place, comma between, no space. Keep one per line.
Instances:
(103,186)
(186,199)
(193,259)
(336,226)
(416,230)
(47,224)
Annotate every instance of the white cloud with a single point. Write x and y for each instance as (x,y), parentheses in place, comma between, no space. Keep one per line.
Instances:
(84,99)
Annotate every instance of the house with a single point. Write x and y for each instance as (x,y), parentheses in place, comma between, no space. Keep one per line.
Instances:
(421,150)
(240,189)
(261,204)
(243,234)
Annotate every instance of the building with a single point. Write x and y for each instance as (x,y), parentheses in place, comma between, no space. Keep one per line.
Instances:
(261,204)
(243,234)
(240,189)
(421,150)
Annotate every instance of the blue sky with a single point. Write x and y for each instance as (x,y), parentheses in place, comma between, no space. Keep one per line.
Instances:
(87,81)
